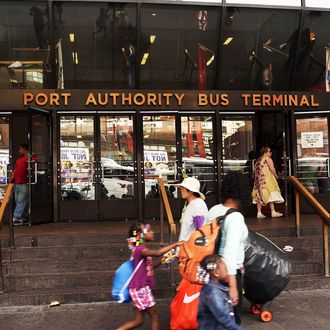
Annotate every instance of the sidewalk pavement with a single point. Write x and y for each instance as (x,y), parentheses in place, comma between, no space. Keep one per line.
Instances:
(301,310)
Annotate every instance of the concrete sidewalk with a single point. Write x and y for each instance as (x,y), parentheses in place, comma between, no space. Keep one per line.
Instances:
(296,310)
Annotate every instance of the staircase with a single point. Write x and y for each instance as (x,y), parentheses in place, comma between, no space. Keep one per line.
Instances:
(80,268)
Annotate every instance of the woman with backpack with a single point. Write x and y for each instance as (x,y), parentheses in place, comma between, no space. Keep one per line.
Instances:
(235,194)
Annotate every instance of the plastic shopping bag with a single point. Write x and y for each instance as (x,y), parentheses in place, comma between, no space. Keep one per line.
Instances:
(184,307)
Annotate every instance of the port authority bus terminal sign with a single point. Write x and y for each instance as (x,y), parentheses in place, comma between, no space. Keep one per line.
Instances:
(81,99)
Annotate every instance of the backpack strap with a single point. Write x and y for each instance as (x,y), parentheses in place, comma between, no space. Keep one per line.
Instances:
(220,221)
(129,280)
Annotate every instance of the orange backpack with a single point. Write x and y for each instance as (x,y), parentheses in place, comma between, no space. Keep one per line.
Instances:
(201,243)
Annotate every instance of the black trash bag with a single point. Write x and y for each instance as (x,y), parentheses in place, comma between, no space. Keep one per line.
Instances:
(267,269)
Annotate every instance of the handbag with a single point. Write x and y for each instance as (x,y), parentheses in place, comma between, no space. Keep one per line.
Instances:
(184,306)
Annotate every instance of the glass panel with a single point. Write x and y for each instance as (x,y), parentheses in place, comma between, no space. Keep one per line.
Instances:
(159,148)
(311,60)
(197,151)
(313,153)
(24,45)
(4,155)
(77,158)
(117,157)
(263,43)
(180,46)
(318,3)
(96,44)
(296,3)
(237,144)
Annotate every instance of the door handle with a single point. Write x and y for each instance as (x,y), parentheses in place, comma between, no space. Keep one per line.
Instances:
(35,173)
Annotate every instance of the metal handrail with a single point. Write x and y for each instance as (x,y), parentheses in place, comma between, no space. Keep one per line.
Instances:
(320,210)
(4,205)
(165,206)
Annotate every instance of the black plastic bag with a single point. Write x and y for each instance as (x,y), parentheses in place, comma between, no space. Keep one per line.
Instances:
(267,269)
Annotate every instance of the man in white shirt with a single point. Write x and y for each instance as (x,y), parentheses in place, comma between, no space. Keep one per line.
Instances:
(235,193)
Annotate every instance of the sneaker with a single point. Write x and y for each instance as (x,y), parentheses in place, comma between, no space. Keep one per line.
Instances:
(261,216)
(18,222)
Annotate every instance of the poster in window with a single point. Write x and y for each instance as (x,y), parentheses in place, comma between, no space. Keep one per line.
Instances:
(311,140)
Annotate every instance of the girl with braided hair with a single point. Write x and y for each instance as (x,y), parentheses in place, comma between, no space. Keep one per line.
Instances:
(215,310)
(139,237)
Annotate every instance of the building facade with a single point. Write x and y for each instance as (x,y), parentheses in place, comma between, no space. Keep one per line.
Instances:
(110,95)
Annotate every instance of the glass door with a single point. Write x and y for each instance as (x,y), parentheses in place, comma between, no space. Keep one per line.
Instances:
(313,153)
(159,159)
(78,169)
(5,166)
(238,145)
(118,180)
(198,154)
(40,167)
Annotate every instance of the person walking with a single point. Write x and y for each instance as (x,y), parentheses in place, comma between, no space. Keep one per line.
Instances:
(195,210)
(140,287)
(20,178)
(215,308)
(235,194)
(265,189)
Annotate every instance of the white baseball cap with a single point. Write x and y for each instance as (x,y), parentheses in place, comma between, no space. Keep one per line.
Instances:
(193,185)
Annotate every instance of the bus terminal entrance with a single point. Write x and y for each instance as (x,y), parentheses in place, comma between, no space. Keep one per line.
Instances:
(109,163)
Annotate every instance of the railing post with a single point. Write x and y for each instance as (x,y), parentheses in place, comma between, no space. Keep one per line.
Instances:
(2,286)
(298,221)
(161,219)
(326,249)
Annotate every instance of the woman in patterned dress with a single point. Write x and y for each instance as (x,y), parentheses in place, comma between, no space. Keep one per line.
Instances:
(265,188)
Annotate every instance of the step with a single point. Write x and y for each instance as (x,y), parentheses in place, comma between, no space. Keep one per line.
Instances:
(300,282)
(72,240)
(72,295)
(301,242)
(67,253)
(307,268)
(49,266)
(23,282)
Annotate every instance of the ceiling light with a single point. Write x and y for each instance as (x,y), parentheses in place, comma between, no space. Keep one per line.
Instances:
(144,58)
(152,39)
(228,41)
(210,60)
(153,14)
(71,36)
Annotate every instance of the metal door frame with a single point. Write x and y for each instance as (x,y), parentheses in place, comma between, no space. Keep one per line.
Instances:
(48,114)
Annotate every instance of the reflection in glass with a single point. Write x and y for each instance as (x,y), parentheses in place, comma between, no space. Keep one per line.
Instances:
(4,155)
(261,42)
(197,151)
(159,153)
(313,153)
(24,45)
(237,144)
(77,158)
(311,52)
(97,42)
(180,43)
(117,157)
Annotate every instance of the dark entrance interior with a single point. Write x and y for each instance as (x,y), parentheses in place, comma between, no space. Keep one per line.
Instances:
(272,130)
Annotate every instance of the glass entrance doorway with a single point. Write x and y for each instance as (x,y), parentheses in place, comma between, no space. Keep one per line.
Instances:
(40,167)
(97,168)
(175,147)
(242,138)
